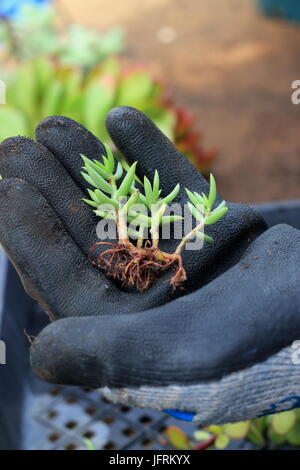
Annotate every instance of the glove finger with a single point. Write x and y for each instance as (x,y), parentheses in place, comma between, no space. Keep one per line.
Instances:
(243,317)
(67,140)
(23,158)
(53,269)
(271,386)
(138,138)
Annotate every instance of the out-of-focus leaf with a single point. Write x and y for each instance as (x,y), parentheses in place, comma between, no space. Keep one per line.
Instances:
(237,430)
(22,91)
(282,423)
(12,122)
(53,99)
(293,436)
(222,441)
(202,435)
(274,437)
(72,98)
(134,88)
(215,429)
(89,444)
(44,73)
(178,438)
(255,434)
(98,99)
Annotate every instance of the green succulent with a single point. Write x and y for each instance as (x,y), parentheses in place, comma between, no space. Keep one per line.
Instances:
(40,88)
(135,209)
(34,33)
(142,208)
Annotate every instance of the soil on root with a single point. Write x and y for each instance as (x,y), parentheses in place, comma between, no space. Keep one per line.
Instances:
(137,267)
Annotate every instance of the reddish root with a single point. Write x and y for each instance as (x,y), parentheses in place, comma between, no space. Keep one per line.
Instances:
(137,267)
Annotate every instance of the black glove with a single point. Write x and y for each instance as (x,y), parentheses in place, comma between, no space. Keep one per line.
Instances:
(52,257)
(198,353)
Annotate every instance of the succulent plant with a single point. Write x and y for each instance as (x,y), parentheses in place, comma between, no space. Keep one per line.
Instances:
(136,209)
(41,88)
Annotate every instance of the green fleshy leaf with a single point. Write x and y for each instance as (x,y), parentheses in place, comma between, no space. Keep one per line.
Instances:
(124,188)
(216,216)
(212,191)
(99,182)
(148,192)
(195,198)
(195,213)
(119,171)
(132,200)
(205,200)
(88,179)
(137,218)
(171,196)
(142,199)
(105,215)
(93,195)
(91,203)
(168,219)
(110,158)
(96,166)
(156,191)
(102,198)
(204,237)
(220,206)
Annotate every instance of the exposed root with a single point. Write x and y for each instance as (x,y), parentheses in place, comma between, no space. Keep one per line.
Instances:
(137,267)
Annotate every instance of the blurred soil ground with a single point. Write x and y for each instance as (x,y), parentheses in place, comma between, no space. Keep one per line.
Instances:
(234,69)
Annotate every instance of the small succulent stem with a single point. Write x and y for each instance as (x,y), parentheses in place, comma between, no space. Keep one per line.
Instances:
(155,238)
(140,240)
(187,237)
(122,226)
(156,215)
(154,231)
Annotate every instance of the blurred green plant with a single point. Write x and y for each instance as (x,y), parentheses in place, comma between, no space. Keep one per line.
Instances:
(35,32)
(40,88)
(89,444)
(267,432)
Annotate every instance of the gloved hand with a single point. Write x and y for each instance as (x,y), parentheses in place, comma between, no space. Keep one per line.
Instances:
(221,351)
